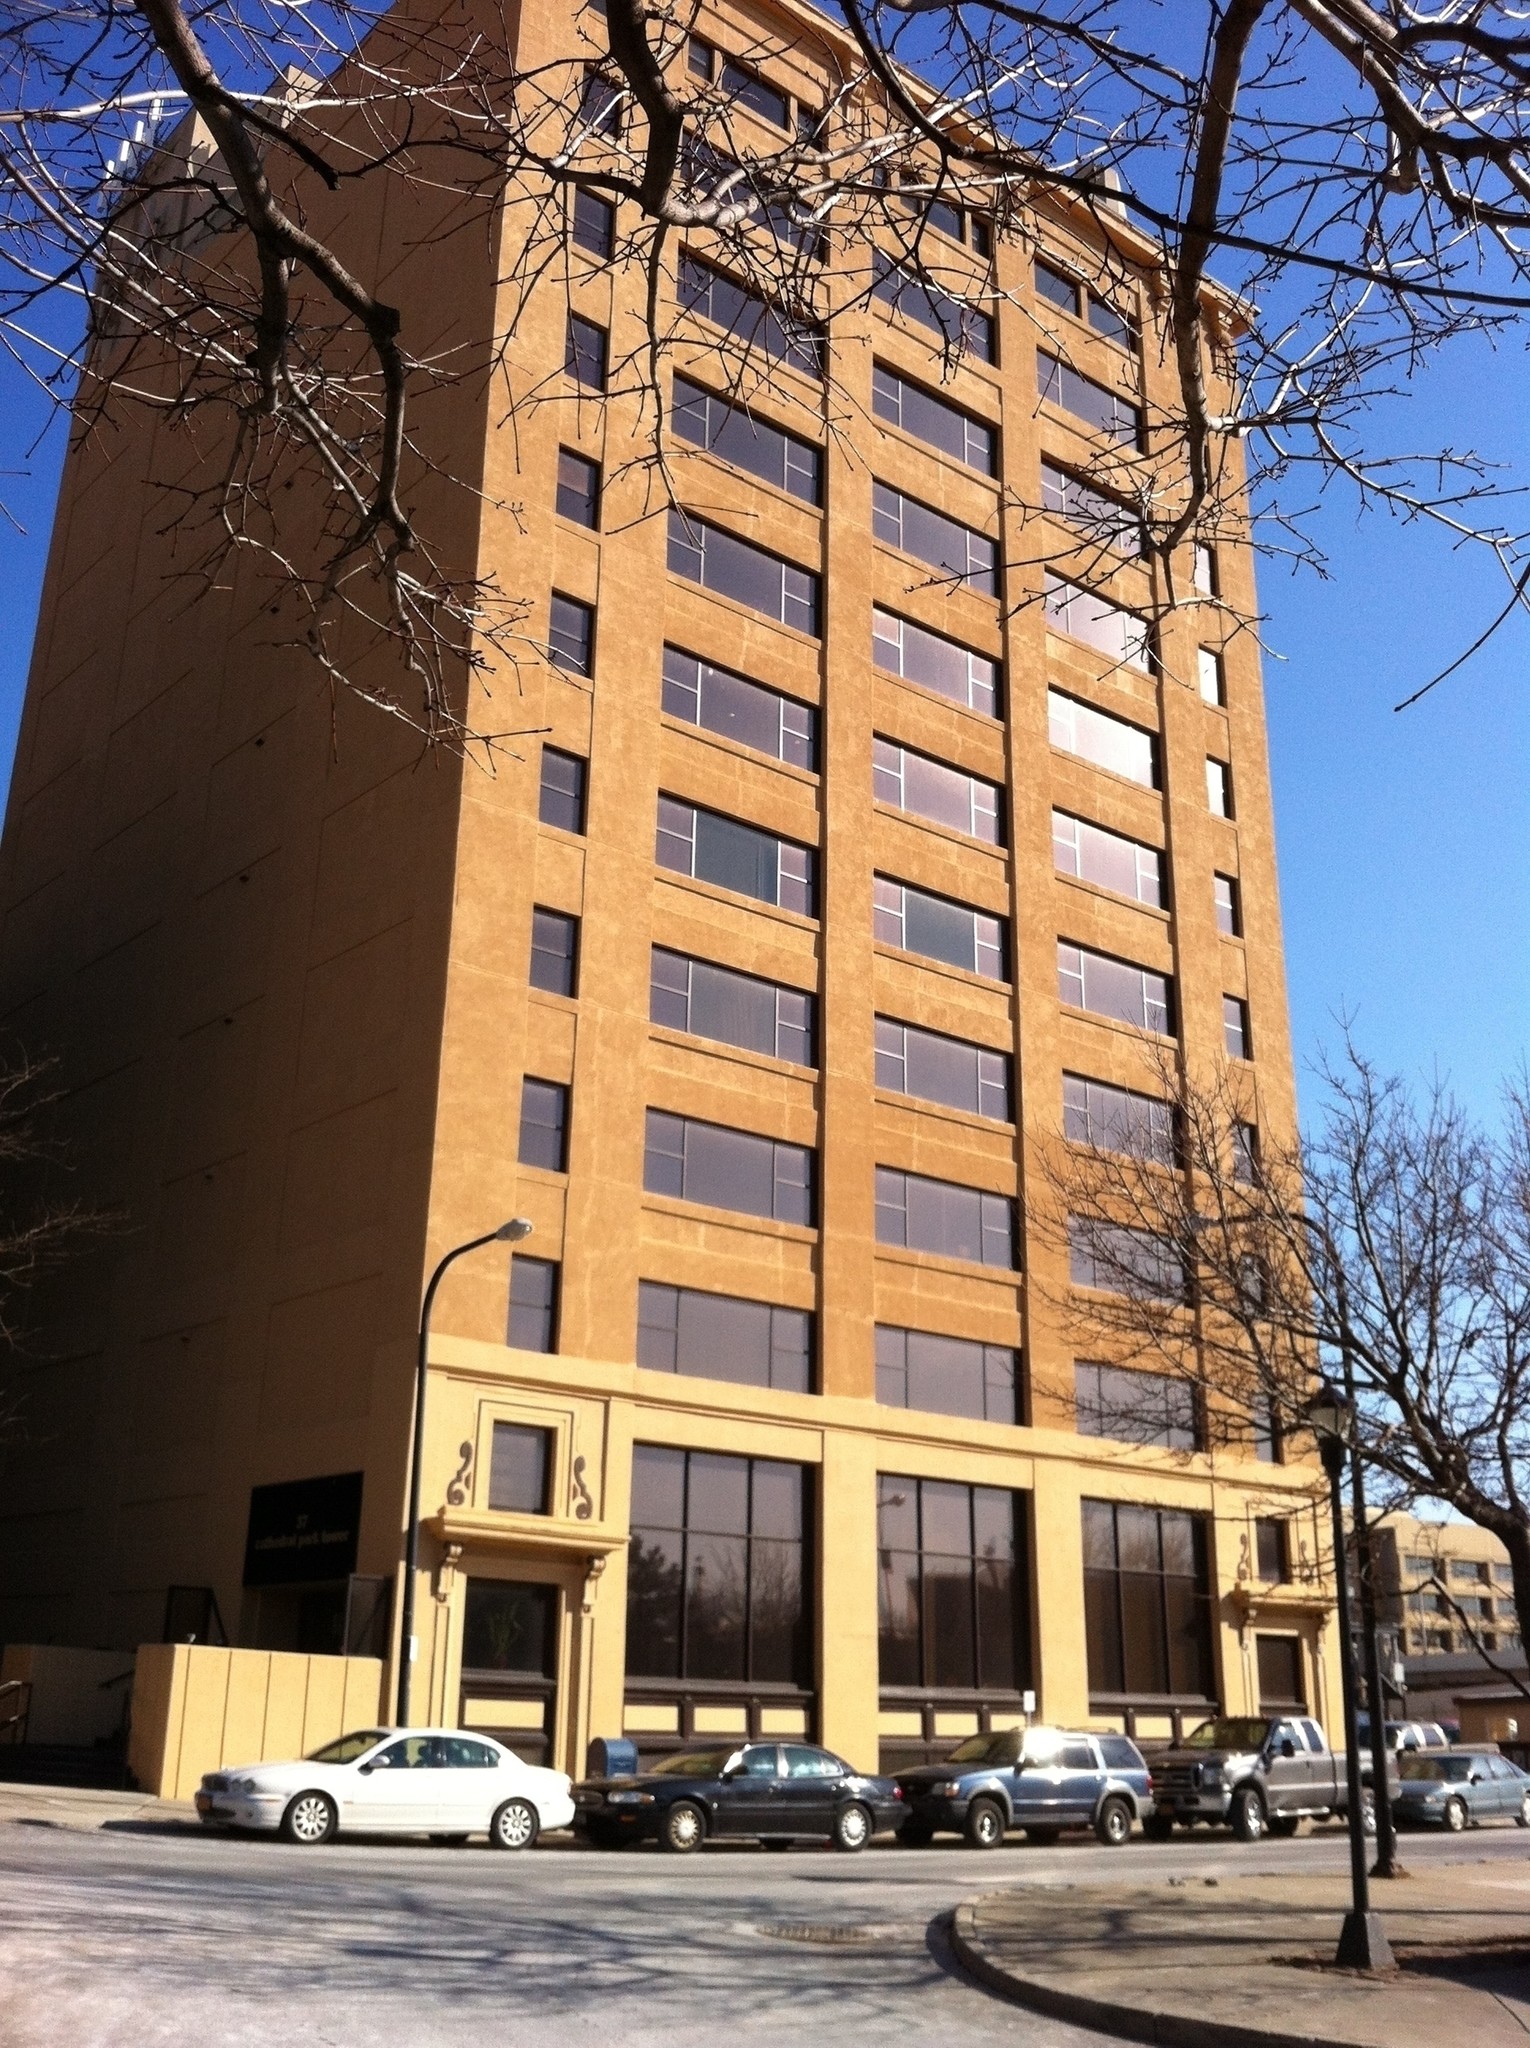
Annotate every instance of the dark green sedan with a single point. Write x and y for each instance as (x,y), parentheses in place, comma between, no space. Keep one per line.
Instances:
(1458,1788)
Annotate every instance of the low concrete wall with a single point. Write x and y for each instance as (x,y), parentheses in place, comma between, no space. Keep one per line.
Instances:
(71,1701)
(196,1708)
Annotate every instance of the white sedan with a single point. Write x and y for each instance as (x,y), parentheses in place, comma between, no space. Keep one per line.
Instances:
(394,1781)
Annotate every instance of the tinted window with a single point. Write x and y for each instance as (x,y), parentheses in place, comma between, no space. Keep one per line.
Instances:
(727,1169)
(920,656)
(1055,287)
(510,1627)
(935,420)
(733,1008)
(1119,1753)
(1117,1119)
(1146,1601)
(942,1217)
(554,952)
(722,702)
(1135,1407)
(720,1337)
(930,789)
(594,223)
(1235,1028)
(578,488)
(1118,1259)
(1108,628)
(950,1585)
(732,855)
(1107,859)
(938,928)
(571,635)
(584,354)
(947,1375)
(1218,788)
(739,437)
(544,1125)
(1094,404)
(962,329)
(520,1464)
(747,317)
(1224,891)
(1102,518)
(736,568)
(1114,988)
(561,800)
(1096,736)
(944,543)
(533,1320)
(934,1068)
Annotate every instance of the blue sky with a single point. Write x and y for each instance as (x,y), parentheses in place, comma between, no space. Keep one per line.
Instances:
(1404,839)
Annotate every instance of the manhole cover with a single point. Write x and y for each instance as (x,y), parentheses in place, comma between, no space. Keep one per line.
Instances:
(824,1933)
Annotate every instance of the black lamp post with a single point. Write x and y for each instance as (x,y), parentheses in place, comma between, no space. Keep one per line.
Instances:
(508,1233)
(1363,1941)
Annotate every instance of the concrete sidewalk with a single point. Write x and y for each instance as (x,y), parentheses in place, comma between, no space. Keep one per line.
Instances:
(76,1807)
(1243,1962)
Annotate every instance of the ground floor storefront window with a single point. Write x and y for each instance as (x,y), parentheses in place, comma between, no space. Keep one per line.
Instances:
(1147,1604)
(510,1663)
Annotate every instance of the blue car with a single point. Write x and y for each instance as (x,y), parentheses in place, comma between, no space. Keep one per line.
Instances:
(1040,1779)
(1458,1788)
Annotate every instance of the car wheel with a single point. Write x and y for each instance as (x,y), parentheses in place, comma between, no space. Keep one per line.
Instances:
(1044,1837)
(514,1826)
(1284,1825)
(1248,1816)
(1522,1818)
(918,1834)
(684,1829)
(1158,1827)
(310,1819)
(1113,1823)
(1455,1815)
(985,1824)
(852,1827)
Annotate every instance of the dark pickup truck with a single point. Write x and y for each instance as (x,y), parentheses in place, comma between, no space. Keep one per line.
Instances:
(1260,1776)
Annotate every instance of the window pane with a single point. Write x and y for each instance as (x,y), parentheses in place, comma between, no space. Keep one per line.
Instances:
(655,1568)
(721,562)
(751,322)
(1096,405)
(561,801)
(554,952)
(1108,742)
(1218,788)
(718,1499)
(584,356)
(741,710)
(1235,1028)
(544,1125)
(898,1605)
(935,420)
(519,1462)
(927,658)
(944,543)
(578,488)
(716,1594)
(594,223)
(533,1319)
(571,635)
(658,1319)
(738,436)
(1108,628)
(1105,520)
(1108,859)
(960,328)
(509,1627)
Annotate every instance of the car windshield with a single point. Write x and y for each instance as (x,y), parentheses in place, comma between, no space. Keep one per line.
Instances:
(346,1748)
(1003,1748)
(1228,1732)
(694,1763)
(1456,1769)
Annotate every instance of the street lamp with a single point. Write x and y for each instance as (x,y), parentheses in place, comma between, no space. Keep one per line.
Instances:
(1363,1941)
(508,1233)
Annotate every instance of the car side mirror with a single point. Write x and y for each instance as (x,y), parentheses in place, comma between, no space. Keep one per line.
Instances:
(733,1766)
(1287,1746)
(1476,1777)
(364,1770)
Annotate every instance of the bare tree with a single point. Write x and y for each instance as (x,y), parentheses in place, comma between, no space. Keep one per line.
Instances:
(173,241)
(1392,1252)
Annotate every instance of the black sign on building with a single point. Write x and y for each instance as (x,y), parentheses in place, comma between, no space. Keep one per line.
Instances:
(303,1531)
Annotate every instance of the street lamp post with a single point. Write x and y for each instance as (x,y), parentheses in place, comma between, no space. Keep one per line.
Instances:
(1386,1864)
(1363,1942)
(508,1233)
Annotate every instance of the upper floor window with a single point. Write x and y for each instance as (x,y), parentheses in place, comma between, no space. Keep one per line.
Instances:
(584,353)
(1108,859)
(594,223)
(945,544)
(1209,674)
(711,848)
(571,635)
(962,329)
(1204,570)
(929,789)
(600,105)
(917,922)
(737,436)
(951,1586)
(740,82)
(1218,788)
(720,1337)
(1118,1258)
(1235,1031)
(1224,890)
(934,1068)
(920,656)
(1135,1407)
(520,1467)
(1103,739)
(727,1169)
(942,1217)
(1108,628)
(578,488)
(1117,1119)
(1084,303)
(721,562)
(533,1317)
(1272,1549)
(1114,988)
(955,222)
(544,1125)
(1096,405)
(947,1375)
(554,952)
(720,701)
(734,1009)
(561,798)
(1101,518)
(751,320)
(934,420)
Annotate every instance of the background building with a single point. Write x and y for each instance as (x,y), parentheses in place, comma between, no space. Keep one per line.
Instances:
(827,886)
(1446,1591)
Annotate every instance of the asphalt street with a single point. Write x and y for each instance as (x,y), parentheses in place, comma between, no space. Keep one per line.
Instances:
(154,1937)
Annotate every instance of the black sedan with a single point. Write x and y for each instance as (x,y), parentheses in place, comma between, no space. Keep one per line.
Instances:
(774,1792)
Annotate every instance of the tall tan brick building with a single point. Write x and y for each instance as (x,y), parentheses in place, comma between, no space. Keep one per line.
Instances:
(854,849)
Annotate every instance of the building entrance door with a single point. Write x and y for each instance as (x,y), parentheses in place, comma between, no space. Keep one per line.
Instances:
(510,1664)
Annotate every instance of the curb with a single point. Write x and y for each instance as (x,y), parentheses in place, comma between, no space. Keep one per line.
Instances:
(1129,2022)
